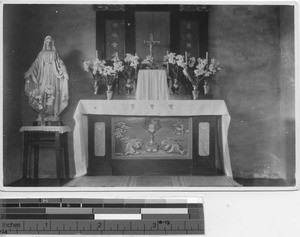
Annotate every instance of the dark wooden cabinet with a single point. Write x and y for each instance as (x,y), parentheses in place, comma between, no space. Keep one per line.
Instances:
(178,28)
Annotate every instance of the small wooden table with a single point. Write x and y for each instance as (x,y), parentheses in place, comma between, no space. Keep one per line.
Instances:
(36,137)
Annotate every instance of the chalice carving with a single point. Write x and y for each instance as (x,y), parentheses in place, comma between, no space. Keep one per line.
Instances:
(151,146)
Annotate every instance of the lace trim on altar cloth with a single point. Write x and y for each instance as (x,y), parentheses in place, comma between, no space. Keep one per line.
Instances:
(60,129)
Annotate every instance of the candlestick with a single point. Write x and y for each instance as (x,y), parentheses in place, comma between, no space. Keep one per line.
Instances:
(206,55)
(167,69)
(185,56)
(167,64)
(96,53)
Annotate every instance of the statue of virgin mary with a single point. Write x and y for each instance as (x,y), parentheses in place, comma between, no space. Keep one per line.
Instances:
(47,83)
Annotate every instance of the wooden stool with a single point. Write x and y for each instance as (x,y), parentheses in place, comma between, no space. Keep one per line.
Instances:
(35,136)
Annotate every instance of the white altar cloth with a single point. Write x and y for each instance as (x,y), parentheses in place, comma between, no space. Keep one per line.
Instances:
(144,108)
(152,85)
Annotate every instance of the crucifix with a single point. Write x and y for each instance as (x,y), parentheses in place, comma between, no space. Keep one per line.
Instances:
(151,42)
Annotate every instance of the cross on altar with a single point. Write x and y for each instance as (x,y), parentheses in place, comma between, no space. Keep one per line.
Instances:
(151,42)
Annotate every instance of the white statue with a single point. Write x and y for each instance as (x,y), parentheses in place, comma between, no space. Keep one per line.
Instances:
(47,83)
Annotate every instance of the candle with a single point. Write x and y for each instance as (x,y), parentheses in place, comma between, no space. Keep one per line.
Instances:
(96,53)
(206,55)
(186,56)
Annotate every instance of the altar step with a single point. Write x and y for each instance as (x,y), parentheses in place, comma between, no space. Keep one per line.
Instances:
(152,181)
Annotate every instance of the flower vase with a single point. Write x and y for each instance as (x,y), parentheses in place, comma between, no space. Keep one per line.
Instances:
(206,88)
(96,87)
(109,92)
(176,87)
(195,92)
(128,87)
(41,119)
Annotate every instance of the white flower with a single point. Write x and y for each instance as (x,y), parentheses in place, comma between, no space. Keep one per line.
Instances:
(214,66)
(40,107)
(118,66)
(199,71)
(132,60)
(180,61)
(171,58)
(205,69)
(86,65)
(191,62)
(115,58)
(148,60)
(128,57)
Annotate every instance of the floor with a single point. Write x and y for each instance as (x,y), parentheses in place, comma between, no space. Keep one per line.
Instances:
(163,181)
(262,182)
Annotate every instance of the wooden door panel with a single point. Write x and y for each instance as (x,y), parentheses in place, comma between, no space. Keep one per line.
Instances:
(157,23)
(161,26)
(189,37)
(115,37)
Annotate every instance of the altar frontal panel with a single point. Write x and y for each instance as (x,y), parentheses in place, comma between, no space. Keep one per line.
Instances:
(151,138)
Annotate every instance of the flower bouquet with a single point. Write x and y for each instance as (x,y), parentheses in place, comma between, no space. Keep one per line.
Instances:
(94,68)
(175,64)
(201,73)
(103,72)
(129,72)
(148,63)
(42,102)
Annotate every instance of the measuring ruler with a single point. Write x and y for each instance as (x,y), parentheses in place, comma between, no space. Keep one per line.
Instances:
(102,216)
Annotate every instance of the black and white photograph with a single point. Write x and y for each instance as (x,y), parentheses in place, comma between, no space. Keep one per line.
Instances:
(149,118)
(149,95)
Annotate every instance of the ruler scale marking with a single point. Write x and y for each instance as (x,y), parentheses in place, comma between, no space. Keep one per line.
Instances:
(117,216)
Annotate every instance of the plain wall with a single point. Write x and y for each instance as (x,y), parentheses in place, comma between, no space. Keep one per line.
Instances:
(245,39)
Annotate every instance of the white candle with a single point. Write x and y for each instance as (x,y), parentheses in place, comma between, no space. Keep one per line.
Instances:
(206,55)
(167,52)
(96,53)
(186,56)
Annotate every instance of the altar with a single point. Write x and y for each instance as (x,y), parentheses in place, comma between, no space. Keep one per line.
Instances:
(152,132)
